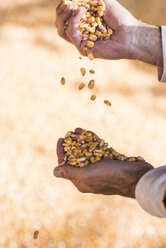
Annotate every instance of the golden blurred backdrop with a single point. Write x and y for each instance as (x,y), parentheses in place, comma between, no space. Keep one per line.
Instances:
(35,110)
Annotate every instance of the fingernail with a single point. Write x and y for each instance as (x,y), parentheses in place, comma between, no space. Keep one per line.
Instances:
(57,173)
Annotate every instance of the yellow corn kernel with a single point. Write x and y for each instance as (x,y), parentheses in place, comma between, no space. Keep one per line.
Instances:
(93,97)
(87,14)
(91,84)
(121,157)
(63,81)
(66,148)
(110,31)
(94,3)
(94,24)
(68,141)
(91,19)
(104,35)
(81,86)
(92,37)
(107,103)
(90,44)
(83,71)
(98,33)
(132,159)
(65,2)
(139,158)
(100,2)
(100,13)
(100,8)
(88,154)
(97,19)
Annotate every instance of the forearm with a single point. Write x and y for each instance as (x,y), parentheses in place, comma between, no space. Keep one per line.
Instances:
(151,192)
(146,44)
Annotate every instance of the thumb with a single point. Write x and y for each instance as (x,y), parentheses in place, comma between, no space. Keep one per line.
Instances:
(67,172)
(73,31)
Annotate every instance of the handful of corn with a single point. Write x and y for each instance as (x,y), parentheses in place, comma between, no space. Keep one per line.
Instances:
(92,23)
(86,148)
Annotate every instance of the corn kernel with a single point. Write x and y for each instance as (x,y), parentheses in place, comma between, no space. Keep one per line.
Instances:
(83,71)
(110,31)
(132,159)
(92,72)
(107,103)
(36,234)
(93,97)
(91,84)
(92,37)
(91,19)
(63,81)
(90,44)
(81,86)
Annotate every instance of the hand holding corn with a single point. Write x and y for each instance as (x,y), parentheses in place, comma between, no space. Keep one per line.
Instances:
(103,170)
(131,38)
(105,28)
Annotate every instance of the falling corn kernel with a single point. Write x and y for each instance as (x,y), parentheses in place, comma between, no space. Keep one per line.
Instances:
(92,72)
(83,71)
(107,103)
(81,86)
(63,81)
(90,54)
(36,234)
(91,84)
(93,97)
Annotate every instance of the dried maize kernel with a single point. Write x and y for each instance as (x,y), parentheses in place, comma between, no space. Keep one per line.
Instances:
(90,44)
(36,234)
(91,84)
(92,37)
(63,81)
(81,86)
(92,71)
(132,159)
(83,71)
(107,103)
(93,97)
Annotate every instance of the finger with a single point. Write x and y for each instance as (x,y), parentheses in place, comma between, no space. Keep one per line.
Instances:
(67,172)
(73,31)
(63,14)
(60,150)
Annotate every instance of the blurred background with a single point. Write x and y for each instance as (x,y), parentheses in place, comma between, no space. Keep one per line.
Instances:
(35,110)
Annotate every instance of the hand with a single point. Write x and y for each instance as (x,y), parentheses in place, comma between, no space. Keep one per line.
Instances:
(116,17)
(108,177)
(132,39)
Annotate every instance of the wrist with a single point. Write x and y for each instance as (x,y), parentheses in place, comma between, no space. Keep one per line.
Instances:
(146,44)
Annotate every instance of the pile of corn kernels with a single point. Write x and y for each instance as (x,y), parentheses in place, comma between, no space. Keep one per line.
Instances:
(92,23)
(87,148)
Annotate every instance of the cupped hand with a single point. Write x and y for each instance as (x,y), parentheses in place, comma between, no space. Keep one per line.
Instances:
(107,177)
(116,17)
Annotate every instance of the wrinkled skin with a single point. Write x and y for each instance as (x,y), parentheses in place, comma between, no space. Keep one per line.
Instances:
(116,17)
(107,177)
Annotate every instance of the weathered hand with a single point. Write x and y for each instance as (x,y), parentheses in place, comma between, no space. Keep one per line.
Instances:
(108,177)
(115,16)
